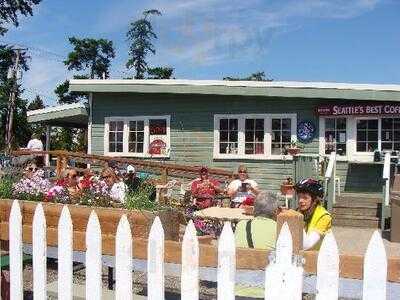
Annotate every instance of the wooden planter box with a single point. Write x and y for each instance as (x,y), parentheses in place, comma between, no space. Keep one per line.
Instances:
(140,221)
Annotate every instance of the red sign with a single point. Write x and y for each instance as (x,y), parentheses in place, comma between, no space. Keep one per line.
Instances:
(156,146)
(361,109)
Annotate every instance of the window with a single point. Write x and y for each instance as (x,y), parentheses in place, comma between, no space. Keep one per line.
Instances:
(254,136)
(257,136)
(116,136)
(335,135)
(137,136)
(281,135)
(390,134)
(367,135)
(228,136)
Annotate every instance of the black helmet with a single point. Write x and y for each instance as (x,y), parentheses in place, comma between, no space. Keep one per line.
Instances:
(311,186)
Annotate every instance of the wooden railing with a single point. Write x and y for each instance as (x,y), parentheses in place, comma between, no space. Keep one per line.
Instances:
(330,184)
(162,168)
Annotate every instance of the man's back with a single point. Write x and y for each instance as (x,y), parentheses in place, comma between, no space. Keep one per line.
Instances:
(263,233)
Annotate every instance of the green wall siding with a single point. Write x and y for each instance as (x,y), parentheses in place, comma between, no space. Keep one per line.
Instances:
(192,126)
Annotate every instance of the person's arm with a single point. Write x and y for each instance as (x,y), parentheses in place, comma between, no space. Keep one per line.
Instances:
(310,239)
(254,188)
(215,185)
(232,189)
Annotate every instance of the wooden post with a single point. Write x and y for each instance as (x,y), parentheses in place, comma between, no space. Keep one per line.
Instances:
(294,220)
(48,135)
(164,176)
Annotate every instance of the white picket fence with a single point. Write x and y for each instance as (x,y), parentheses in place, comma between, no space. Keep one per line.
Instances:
(283,276)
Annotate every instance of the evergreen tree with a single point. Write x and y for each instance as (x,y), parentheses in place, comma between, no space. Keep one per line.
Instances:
(10,10)
(37,103)
(92,55)
(257,76)
(160,73)
(140,36)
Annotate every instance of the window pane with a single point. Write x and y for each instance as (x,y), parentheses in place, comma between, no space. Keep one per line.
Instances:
(249,136)
(223,136)
(361,135)
(259,148)
(223,124)
(361,124)
(286,124)
(249,148)
(132,147)
(120,126)
(330,136)
(276,149)
(396,146)
(329,124)
(341,149)
(372,124)
(372,147)
(387,123)
(260,124)
(260,136)
(396,136)
(119,147)
(113,126)
(387,135)
(276,124)
(276,136)
(139,147)
(372,135)
(132,125)
(233,136)
(341,123)
(139,125)
(111,137)
(396,123)
(158,127)
(387,146)
(140,137)
(112,147)
(223,148)
(361,147)
(120,137)
(132,137)
(233,124)
(249,124)
(286,136)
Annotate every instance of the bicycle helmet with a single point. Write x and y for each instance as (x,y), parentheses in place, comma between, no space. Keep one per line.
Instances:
(311,186)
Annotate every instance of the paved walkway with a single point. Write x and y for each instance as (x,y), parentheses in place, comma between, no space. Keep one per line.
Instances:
(352,240)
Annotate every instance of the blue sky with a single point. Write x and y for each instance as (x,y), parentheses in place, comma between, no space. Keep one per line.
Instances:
(303,40)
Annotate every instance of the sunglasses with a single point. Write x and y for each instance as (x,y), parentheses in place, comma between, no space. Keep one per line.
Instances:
(74,176)
(32,169)
(242,172)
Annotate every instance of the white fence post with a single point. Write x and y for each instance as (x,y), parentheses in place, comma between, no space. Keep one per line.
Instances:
(93,258)
(123,260)
(283,277)
(226,264)
(39,253)
(155,262)
(375,269)
(328,269)
(65,239)
(15,237)
(190,264)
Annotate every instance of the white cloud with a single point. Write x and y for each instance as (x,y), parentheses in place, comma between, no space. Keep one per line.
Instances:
(42,78)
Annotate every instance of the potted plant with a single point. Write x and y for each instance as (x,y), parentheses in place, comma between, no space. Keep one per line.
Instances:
(287,186)
(294,148)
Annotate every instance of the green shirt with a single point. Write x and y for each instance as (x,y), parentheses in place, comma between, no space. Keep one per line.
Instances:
(263,234)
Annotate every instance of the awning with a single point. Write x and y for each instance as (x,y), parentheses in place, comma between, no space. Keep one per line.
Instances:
(67,115)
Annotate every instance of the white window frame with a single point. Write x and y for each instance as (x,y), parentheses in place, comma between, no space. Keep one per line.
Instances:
(126,120)
(241,135)
(349,142)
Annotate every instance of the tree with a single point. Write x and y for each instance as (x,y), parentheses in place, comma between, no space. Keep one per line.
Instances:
(140,36)
(160,73)
(10,9)
(67,97)
(37,103)
(91,54)
(257,76)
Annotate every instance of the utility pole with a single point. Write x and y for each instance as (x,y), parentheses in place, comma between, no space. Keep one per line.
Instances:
(11,104)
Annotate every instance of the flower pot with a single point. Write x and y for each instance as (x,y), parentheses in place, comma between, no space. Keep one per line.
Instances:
(293,151)
(287,189)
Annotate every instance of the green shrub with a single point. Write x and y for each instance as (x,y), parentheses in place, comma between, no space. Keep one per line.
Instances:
(6,187)
(142,198)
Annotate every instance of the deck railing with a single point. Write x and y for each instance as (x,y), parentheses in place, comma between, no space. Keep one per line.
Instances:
(283,274)
(330,181)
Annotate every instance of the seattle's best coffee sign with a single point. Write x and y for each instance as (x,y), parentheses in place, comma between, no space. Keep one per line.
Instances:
(356,110)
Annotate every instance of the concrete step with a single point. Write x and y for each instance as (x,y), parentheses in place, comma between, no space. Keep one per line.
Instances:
(346,220)
(355,210)
(358,198)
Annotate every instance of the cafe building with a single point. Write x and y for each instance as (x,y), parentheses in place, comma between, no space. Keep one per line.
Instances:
(227,123)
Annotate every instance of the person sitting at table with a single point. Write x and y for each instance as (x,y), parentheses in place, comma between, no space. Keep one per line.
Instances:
(243,188)
(258,233)
(72,183)
(204,190)
(117,187)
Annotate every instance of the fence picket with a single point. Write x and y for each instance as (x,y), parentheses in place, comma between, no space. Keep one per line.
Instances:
(93,258)
(283,278)
(65,236)
(123,260)
(226,264)
(190,264)
(375,269)
(155,261)
(15,237)
(328,269)
(39,253)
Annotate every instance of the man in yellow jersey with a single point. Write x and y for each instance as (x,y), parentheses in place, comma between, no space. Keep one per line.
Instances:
(317,220)
(258,233)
